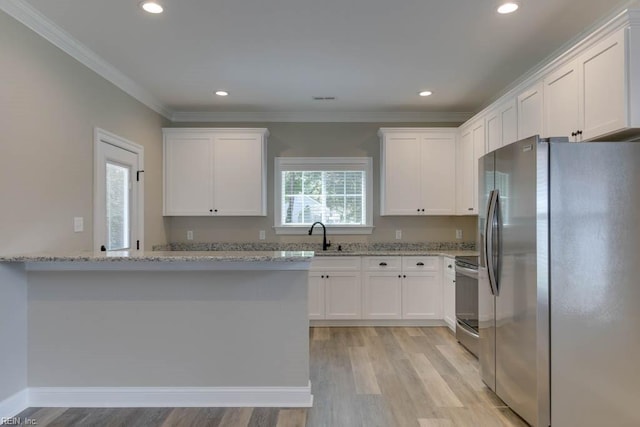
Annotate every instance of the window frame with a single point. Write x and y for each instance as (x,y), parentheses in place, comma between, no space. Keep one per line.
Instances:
(283,164)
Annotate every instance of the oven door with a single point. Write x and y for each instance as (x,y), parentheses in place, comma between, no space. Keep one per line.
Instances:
(467,295)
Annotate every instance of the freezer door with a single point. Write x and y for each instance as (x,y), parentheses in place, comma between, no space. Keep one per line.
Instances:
(486,298)
(595,290)
(516,303)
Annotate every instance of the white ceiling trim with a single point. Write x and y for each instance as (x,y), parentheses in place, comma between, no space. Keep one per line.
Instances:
(30,17)
(323,116)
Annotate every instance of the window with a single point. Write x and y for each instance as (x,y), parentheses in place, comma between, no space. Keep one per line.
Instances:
(333,190)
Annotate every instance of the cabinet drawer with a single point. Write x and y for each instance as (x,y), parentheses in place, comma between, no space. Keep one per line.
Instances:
(449,266)
(337,263)
(420,263)
(382,263)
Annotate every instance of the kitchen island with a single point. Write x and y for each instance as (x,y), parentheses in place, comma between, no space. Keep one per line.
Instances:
(166,328)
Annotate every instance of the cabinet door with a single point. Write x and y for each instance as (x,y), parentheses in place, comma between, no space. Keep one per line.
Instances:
(509,122)
(382,295)
(530,117)
(602,102)
(464,173)
(239,175)
(438,153)
(401,175)
(494,130)
(449,293)
(343,296)
(479,150)
(561,103)
(422,296)
(187,175)
(316,295)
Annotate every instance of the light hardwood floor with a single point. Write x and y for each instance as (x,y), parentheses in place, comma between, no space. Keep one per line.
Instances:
(361,377)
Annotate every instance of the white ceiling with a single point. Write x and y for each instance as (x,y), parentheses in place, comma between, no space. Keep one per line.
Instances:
(372,55)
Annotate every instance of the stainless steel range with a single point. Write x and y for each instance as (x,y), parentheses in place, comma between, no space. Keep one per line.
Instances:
(467,302)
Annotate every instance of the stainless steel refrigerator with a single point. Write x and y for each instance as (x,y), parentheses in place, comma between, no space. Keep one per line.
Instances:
(559,280)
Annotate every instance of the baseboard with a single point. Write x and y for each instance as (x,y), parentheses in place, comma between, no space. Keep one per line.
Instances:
(123,397)
(13,405)
(378,322)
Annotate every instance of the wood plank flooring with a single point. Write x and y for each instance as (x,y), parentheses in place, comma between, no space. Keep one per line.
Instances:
(361,377)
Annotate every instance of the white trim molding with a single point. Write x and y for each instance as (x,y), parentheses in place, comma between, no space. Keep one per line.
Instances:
(47,29)
(13,405)
(323,116)
(167,397)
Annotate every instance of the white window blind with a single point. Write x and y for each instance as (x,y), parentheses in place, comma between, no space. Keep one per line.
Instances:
(334,191)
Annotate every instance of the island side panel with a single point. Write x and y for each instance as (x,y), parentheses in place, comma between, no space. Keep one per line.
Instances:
(13,335)
(168,329)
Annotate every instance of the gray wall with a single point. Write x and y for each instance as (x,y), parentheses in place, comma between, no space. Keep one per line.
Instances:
(49,106)
(330,140)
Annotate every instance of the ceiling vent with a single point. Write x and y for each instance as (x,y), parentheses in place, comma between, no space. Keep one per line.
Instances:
(324,98)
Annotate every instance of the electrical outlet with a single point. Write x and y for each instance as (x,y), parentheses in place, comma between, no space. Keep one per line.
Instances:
(398,234)
(262,235)
(189,234)
(458,234)
(78,224)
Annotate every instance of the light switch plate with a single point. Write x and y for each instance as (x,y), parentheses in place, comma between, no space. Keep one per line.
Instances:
(78,224)
(458,234)
(398,234)
(189,234)
(262,235)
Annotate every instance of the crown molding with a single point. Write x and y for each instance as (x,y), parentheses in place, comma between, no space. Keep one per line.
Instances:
(323,116)
(41,25)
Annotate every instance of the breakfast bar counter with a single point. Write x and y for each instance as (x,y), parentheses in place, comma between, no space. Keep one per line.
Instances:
(166,328)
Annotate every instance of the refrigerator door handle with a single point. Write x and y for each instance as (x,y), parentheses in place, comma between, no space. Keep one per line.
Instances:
(489,242)
(497,241)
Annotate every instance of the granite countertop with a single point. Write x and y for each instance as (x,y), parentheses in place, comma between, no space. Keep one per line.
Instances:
(449,253)
(165,256)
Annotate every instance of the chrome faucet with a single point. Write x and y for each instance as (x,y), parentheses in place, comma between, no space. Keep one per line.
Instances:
(325,245)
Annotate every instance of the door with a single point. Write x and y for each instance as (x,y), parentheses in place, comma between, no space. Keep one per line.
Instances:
(343,296)
(382,295)
(402,175)
(422,296)
(449,293)
(561,102)
(516,277)
(494,131)
(438,174)
(316,295)
(530,116)
(486,298)
(118,195)
(464,173)
(479,150)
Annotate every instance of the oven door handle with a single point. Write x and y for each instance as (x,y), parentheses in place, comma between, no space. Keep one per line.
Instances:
(467,329)
(467,272)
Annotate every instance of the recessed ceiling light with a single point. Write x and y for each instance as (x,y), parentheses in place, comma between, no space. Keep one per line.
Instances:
(507,7)
(151,6)
(425,93)
(222,93)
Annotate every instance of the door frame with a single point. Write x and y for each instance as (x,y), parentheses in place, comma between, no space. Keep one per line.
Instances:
(101,136)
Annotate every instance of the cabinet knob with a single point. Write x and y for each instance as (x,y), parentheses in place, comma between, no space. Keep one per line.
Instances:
(215,210)
(322,277)
(383,264)
(574,134)
(404,276)
(449,266)
(579,132)
(327,276)
(418,209)
(210,210)
(453,281)
(399,276)
(470,209)
(420,264)
(422,210)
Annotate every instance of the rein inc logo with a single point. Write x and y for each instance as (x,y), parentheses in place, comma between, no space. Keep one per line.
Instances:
(17,421)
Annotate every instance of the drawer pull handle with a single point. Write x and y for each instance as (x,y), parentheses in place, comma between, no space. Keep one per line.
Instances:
(420,264)
(383,264)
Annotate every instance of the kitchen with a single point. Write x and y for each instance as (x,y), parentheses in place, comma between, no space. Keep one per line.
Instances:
(67,101)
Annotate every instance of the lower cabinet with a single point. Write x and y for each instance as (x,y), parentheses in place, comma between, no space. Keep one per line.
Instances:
(387,288)
(449,292)
(335,288)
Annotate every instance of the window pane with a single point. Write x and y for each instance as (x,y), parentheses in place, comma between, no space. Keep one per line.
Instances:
(118,222)
(332,197)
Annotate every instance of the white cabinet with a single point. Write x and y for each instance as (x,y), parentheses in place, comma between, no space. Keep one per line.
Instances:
(471,147)
(421,288)
(214,172)
(335,288)
(561,101)
(382,288)
(418,171)
(530,112)
(501,125)
(449,292)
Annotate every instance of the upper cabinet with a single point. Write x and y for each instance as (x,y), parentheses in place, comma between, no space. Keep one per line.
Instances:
(418,171)
(590,92)
(471,147)
(215,172)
